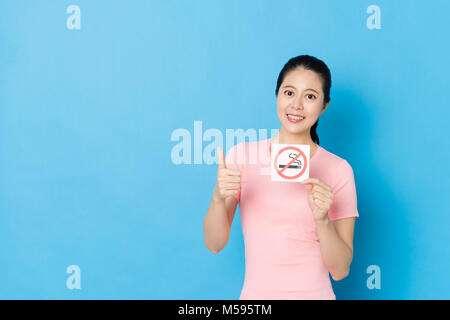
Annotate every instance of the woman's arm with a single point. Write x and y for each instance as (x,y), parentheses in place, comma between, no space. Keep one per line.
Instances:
(217,223)
(336,245)
(336,239)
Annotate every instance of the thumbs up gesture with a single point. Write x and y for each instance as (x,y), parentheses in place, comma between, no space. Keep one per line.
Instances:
(228,180)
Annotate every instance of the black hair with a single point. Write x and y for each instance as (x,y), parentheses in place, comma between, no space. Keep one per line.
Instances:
(309,63)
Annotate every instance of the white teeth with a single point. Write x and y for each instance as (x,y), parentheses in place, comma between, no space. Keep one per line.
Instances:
(294,117)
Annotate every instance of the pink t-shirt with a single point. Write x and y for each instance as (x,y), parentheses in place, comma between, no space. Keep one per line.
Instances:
(282,249)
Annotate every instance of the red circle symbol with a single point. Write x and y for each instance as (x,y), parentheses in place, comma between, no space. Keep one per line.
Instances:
(300,153)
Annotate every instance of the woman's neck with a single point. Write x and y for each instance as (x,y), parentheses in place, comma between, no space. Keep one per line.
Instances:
(284,137)
(289,138)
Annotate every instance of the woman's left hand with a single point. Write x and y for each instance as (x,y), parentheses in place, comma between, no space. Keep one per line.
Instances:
(320,197)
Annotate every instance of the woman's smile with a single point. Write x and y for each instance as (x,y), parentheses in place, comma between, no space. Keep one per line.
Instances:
(294,118)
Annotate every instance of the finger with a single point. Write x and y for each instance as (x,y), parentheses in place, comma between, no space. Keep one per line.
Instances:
(229,178)
(308,187)
(230,172)
(317,188)
(316,181)
(221,157)
(320,203)
(321,196)
(230,193)
(230,185)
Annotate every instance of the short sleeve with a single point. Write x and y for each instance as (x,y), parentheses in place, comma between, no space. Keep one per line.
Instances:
(345,200)
(233,160)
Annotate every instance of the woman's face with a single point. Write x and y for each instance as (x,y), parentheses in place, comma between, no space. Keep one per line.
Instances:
(300,100)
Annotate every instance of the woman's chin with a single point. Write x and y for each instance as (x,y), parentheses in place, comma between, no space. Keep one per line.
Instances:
(294,130)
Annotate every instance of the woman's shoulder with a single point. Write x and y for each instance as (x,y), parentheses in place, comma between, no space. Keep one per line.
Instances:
(247,152)
(335,165)
(331,158)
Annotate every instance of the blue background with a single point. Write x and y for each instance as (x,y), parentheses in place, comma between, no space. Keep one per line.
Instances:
(86,116)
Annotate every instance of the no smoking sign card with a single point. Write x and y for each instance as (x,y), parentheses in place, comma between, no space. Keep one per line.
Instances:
(290,162)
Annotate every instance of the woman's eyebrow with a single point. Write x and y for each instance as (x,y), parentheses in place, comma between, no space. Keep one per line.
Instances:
(312,90)
(296,88)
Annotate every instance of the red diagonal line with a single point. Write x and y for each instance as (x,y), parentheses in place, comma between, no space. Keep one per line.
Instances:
(290,163)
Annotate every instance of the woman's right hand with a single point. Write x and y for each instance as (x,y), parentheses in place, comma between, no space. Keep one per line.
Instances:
(228,180)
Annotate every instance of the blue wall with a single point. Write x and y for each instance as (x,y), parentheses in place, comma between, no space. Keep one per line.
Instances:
(87,176)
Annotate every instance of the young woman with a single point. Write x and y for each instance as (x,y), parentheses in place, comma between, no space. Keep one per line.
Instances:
(295,234)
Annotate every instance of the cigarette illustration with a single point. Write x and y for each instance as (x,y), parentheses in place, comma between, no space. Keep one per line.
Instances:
(295,165)
(292,166)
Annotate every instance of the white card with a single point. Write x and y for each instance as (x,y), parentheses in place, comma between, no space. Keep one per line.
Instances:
(290,162)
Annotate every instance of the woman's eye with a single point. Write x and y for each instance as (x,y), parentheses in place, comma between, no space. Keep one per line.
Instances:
(288,91)
(311,95)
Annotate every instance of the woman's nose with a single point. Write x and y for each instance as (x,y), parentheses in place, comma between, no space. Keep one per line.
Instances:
(298,104)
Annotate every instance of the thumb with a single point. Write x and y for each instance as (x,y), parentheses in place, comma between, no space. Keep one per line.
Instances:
(221,157)
(308,188)
(309,195)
